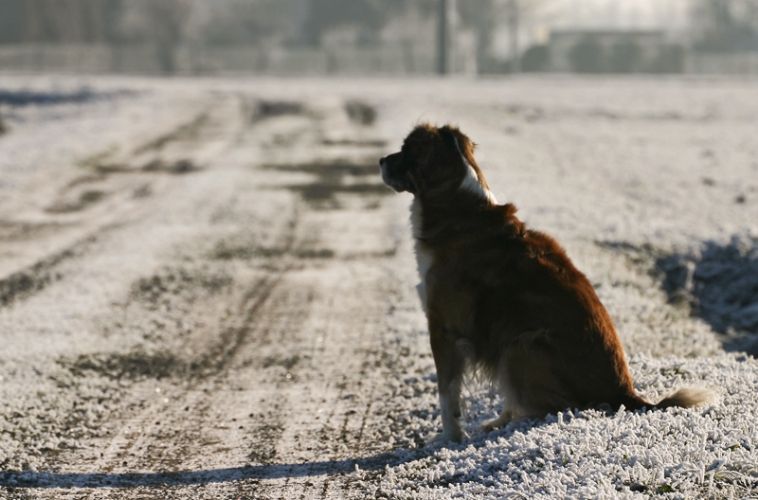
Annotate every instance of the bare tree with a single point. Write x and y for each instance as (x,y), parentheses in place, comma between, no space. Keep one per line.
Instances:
(59,20)
(243,21)
(161,23)
(484,16)
(369,15)
(516,14)
(726,25)
(480,16)
(443,36)
(513,14)
(11,16)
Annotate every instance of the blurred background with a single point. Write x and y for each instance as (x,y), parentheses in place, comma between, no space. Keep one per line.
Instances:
(388,37)
(206,291)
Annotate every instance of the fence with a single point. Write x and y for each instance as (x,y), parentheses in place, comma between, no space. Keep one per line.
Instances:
(400,58)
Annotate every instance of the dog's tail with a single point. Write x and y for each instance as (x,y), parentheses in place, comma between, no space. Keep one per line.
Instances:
(686,397)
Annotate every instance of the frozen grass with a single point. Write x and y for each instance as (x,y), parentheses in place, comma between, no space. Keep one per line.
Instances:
(701,453)
(652,186)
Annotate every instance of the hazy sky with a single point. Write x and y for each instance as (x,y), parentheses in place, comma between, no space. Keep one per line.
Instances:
(670,15)
(615,13)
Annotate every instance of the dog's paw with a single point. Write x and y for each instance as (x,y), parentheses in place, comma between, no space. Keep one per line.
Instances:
(489,425)
(496,423)
(456,437)
(446,438)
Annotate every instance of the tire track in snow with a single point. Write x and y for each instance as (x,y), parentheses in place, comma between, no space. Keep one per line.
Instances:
(25,282)
(211,366)
(329,312)
(210,370)
(350,309)
(36,276)
(133,218)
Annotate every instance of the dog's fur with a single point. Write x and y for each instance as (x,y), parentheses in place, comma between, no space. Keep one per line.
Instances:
(504,298)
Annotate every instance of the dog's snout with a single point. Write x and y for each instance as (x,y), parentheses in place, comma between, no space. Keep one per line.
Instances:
(382,161)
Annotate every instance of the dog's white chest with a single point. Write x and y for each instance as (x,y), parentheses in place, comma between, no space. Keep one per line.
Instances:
(423,263)
(424,257)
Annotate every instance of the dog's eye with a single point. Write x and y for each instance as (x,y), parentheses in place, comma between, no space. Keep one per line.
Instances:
(407,159)
(408,163)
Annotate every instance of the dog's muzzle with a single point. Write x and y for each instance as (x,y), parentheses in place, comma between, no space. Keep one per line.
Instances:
(392,177)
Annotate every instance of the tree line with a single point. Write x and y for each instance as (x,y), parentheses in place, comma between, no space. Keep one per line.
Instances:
(716,25)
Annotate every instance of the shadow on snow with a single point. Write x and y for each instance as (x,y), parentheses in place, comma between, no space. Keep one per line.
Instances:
(68,480)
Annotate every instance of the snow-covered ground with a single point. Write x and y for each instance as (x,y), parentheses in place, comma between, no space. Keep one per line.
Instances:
(206,292)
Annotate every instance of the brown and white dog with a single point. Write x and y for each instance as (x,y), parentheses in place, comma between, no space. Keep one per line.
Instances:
(503,298)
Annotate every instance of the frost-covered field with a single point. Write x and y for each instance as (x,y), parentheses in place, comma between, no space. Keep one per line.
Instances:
(205,291)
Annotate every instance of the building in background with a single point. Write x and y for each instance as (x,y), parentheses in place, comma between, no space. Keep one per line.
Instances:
(613,51)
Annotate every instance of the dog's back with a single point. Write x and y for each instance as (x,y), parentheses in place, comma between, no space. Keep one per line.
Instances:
(535,320)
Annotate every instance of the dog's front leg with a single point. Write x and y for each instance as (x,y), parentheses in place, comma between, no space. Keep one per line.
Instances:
(450,363)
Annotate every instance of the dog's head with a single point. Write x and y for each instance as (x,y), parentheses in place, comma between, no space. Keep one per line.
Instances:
(435,162)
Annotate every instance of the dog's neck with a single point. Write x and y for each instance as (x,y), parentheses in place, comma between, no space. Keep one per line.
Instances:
(471,182)
(433,218)
(433,224)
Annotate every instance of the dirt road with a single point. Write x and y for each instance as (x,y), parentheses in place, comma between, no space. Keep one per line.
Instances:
(206,292)
(238,298)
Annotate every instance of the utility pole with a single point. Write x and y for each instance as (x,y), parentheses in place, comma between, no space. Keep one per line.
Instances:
(443,36)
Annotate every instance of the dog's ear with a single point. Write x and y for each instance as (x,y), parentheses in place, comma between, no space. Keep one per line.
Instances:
(459,142)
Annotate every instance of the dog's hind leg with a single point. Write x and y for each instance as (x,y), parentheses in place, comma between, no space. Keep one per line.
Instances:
(509,400)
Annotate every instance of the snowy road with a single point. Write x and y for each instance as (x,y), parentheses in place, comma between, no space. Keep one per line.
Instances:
(206,292)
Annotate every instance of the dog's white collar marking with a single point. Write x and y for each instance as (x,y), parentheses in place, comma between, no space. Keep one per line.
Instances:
(424,258)
(471,182)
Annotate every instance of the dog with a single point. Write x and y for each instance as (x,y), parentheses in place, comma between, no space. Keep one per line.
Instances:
(502,298)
